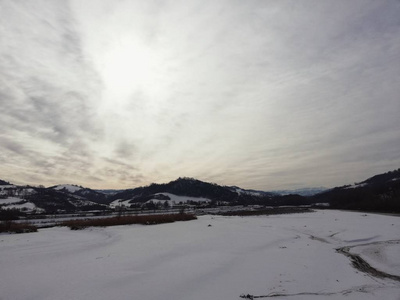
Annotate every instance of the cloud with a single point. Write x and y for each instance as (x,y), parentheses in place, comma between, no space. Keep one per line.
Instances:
(259,94)
(49,91)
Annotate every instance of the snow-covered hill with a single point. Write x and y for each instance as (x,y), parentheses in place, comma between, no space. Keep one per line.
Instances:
(18,203)
(189,188)
(71,188)
(15,197)
(241,191)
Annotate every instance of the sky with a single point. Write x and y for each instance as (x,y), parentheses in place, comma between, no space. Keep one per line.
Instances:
(260,94)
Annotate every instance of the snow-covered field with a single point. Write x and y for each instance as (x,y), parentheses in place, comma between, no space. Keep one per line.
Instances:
(10,200)
(261,256)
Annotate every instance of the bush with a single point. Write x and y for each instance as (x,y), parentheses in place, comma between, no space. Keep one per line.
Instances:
(126,220)
(9,226)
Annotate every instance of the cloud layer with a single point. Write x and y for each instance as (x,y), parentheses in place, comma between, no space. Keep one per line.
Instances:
(260,94)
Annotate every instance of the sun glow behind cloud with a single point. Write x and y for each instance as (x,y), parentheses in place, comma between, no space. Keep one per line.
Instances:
(129,65)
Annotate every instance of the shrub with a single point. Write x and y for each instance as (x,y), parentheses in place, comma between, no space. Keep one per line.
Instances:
(126,220)
(9,226)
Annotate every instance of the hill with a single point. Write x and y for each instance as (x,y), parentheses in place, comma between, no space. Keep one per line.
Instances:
(55,199)
(2,182)
(378,193)
(189,187)
(83,193)
(217,195)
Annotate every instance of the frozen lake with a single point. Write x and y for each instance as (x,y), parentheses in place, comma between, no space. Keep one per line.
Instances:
(213,257)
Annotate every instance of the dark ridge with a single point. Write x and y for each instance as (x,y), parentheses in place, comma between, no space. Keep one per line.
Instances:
(2,182)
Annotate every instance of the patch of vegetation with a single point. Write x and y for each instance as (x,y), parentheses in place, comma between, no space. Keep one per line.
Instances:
(10,214)
(126,220)
(269,211)
(12,227)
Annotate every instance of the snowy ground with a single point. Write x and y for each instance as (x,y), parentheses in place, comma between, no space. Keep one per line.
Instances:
(15,203)
(265,255)
(173,200)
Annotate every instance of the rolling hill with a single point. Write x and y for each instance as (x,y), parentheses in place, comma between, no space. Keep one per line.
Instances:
(378,193)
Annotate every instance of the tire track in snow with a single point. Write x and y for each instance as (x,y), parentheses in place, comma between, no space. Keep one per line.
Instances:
(360,289)
(360,264)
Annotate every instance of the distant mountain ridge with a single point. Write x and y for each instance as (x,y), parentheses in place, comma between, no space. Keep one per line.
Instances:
(302,192)
(2,182)
(380,192)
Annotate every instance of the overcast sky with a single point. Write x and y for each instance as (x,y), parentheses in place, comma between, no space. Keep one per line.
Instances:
(267,94)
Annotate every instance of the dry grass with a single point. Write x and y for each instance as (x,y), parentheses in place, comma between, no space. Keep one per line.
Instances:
(125,220)
(13,227)
(269,211)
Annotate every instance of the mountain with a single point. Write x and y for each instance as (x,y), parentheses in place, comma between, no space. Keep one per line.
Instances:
(302,192)
(182,187)
(109,192)
(82,192)
(378,193)
(189,187)
(216,194)
(72,198)
(63,199)
(70,188)
(2,182)
(251,192)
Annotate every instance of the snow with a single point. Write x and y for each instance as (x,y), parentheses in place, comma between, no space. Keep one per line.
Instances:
(7,186)
(240,191)
(14,203)
(81,202)
(69,187)
(120,202)
(10,200)
(354,186)
(23,206)
(383,256)
(4,188)
(175,199)
(288,254)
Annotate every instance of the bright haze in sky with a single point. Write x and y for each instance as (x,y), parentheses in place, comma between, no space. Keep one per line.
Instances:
(260,94)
